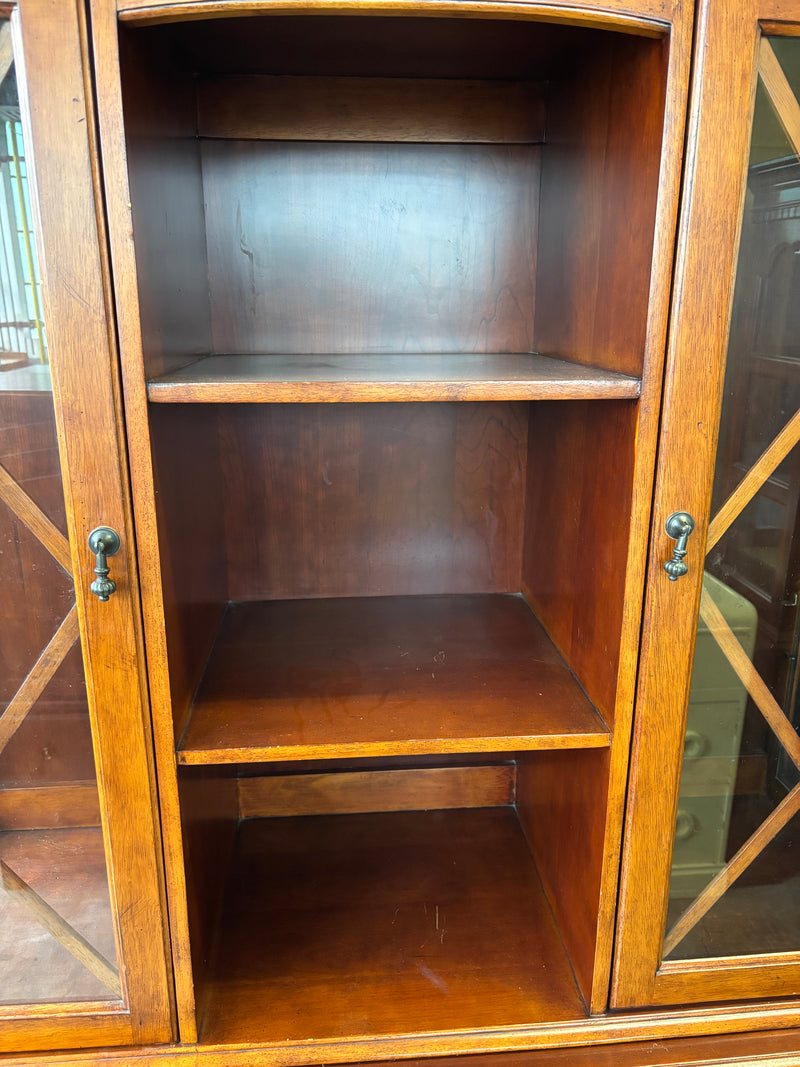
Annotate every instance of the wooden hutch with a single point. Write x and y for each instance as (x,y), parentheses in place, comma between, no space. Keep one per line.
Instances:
(369,455)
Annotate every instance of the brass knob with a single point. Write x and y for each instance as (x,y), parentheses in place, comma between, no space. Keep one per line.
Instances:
(679,525)
(104,542)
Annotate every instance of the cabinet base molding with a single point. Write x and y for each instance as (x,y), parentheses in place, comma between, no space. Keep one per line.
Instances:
(631,1041)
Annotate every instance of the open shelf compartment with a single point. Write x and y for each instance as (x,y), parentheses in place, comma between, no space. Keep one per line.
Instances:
(333,215)
(379,924)
(308,679)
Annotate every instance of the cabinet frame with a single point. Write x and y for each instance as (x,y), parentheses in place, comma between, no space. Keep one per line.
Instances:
(673,25)
(725,76)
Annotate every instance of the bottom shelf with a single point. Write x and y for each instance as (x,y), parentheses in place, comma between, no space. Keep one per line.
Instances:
(378,924)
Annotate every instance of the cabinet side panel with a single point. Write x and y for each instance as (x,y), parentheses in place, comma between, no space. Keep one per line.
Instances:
(600,170)
(166,192)
(166,195)
(210,816)
(373,499)
(188,491)
(561,802)
(580,481)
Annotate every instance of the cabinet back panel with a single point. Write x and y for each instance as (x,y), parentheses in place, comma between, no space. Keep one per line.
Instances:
(413,110)
(329,247)
(600,173)
(373,499)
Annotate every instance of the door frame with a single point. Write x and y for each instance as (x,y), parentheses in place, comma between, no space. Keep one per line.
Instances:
(722,95)
(51,55)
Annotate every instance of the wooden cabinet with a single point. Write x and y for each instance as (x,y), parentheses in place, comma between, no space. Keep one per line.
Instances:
(412,372)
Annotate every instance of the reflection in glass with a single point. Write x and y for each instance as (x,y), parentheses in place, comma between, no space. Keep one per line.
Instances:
(735,874)
(57,938)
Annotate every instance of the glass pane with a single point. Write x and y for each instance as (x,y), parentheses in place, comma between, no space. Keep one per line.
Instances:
(57,937)
(735,872)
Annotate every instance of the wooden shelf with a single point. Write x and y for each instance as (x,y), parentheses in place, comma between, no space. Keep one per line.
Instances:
(319,378)
(384,924)
(311,679)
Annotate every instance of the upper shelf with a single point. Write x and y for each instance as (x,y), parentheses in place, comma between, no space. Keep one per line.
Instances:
(244,379)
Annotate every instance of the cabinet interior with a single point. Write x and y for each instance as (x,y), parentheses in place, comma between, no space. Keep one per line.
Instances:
(393,293)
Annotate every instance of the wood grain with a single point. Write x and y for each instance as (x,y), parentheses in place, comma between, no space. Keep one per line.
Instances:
(384,675)
(384,248)
(190,537)
(209,815)
(366,500)
(73,941)
(430,110)
(577,530)
(52,61)
(599,193)
(165,205)
(562,801)
(426,789)
(337,378)
(385,924)
(723,88)
(646,17)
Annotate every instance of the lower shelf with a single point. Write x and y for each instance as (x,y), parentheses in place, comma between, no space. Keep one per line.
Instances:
(402,675)
(379,924)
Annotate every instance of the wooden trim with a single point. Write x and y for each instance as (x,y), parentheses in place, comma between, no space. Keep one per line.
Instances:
(419,110)
(730,1038)
(28,512)
(50,807)
(649,18)
(727,40)
(120,236)
(764,466)
(56,113)
(42,671)
(749,677)
(752,848)
(402,790)
(347,378)
(780,93)
(74,942)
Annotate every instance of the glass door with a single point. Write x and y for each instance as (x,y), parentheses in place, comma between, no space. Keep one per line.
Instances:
(716,778)
(77,965)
